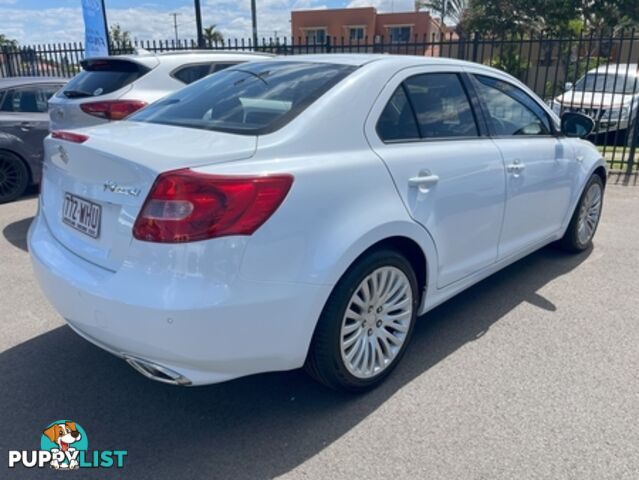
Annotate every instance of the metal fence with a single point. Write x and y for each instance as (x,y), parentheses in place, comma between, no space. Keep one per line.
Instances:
(593,73)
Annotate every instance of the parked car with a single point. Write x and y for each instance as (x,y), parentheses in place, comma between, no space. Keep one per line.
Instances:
(609,94)
(303,212)
(111,88)
(24,123)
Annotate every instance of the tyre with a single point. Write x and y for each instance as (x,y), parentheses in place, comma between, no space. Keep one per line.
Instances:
(366,323)
(585,219)
(14,177)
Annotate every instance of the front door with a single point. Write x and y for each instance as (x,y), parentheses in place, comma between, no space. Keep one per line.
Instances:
(540,167)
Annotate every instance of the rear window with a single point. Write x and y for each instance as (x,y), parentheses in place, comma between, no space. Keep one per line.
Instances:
(100,77)
(252,99)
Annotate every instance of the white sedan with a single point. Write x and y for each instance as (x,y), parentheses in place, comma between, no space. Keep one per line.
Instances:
(303,211)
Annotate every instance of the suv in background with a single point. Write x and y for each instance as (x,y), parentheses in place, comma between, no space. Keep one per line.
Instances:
(609,94)
(111,88)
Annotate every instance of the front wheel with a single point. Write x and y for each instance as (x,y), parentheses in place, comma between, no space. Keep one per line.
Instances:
(366,324)
(585,219)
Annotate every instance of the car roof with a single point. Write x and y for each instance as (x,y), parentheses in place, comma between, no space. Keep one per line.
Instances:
(360,59)
(18,81)
(631,69)
(152,59)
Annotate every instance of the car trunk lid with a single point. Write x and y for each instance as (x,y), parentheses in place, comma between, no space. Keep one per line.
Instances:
(114,170)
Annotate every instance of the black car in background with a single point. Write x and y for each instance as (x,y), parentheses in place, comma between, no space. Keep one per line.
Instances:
(24,123)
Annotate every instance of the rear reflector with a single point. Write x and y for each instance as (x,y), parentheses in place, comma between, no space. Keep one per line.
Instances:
(69,136)
(186,206)
(112,109)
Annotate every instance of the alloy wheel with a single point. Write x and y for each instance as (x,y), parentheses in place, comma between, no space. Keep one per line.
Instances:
(376,322)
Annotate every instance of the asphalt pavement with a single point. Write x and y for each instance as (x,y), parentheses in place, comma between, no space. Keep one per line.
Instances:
(531,374)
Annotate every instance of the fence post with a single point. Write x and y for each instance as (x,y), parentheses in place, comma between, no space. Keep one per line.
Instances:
(633,132)
(7,54)
(475,46)
(328,44)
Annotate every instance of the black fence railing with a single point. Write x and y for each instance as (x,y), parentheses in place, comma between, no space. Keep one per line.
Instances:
(593,73)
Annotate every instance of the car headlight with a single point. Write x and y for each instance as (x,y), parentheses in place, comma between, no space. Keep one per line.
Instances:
(620,113)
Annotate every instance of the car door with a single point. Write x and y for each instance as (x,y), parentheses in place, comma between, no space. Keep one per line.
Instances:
(448,172)
(24,114)
(540,167)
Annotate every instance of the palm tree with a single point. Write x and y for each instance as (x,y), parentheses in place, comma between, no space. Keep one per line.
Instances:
(118,35)
(211,35)
(452,10)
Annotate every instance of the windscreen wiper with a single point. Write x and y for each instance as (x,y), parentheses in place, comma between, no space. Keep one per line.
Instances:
(76,93)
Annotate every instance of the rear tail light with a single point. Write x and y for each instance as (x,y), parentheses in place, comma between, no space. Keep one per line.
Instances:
(112,109)
(186,206)
(69,136)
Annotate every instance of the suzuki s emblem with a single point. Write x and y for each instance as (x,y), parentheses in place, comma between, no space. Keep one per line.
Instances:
(113,187)
(64,156)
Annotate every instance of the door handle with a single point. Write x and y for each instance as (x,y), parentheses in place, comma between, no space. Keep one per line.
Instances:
(26,126)
(423,181)
(516,167)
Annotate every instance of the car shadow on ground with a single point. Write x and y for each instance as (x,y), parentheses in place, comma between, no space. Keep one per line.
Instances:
(16,233)
(256,427)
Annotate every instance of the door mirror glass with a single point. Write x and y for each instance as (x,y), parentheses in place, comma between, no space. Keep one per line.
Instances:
(576,125)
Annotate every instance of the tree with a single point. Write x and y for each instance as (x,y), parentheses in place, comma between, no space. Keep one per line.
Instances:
(118,35)
(6,41)
(451,10)
(556,17)
(211,35)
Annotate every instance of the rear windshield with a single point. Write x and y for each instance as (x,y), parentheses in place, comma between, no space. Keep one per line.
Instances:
(100,77)
(251,99)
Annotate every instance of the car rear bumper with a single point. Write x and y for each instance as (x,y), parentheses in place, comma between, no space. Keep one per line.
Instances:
(236,329)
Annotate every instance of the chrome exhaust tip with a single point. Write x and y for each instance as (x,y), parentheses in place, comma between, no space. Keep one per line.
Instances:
(156,372)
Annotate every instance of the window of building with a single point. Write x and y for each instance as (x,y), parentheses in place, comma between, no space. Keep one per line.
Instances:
(356,33)
(315,35)
(400,33)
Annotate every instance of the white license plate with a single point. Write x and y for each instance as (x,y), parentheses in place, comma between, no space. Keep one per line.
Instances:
(82,215)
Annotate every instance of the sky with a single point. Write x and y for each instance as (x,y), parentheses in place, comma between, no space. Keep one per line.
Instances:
(53,21)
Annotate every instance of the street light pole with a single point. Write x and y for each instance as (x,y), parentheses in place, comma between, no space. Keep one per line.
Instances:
(254,18)
(175,25)
(198,24)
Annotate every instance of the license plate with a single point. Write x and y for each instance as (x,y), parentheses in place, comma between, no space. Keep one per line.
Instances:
(82,215)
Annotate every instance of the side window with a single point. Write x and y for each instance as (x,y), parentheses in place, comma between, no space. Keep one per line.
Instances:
(397,121)
(27,100)
(441,106)
(218,67)
(191,73)
(511,111)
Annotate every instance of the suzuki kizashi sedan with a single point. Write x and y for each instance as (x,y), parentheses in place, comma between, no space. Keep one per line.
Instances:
(303,211)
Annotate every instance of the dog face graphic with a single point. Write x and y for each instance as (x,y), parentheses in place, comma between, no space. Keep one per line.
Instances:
(64,434)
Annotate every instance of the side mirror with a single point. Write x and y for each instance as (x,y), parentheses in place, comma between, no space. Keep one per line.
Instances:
(568,86)
(576,125)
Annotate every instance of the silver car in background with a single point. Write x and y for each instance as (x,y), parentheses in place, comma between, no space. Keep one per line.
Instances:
(609,94)
(24,123)
(111,88)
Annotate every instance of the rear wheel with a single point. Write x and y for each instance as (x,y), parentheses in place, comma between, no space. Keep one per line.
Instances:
(585,219)
(366,324)
(14,177)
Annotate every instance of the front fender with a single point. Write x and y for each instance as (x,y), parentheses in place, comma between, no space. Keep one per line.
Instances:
(591,160)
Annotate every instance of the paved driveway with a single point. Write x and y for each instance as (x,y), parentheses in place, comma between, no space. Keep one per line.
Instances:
(534,373)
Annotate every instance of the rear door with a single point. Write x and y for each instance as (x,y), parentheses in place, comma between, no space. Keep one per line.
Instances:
(541,172)
(24,115)
(447,170)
